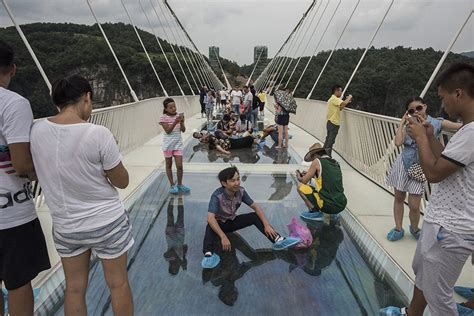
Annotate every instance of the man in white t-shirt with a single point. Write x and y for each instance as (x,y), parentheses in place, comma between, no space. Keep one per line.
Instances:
(23,252)
(224,95)
(236,96)
(447,237)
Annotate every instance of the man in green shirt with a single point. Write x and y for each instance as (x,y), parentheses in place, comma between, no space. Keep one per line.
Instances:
(335,105)
(321,186)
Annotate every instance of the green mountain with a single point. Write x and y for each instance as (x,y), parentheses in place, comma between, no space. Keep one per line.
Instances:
(386,78)
(64,49)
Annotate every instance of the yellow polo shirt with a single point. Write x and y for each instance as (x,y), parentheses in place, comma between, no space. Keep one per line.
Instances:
(334,112)
(263,97)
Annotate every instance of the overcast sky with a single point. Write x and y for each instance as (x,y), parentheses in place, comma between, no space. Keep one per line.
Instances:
(237,26)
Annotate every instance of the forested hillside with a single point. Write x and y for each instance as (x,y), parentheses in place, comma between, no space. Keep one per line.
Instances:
(64,49)
(386,78)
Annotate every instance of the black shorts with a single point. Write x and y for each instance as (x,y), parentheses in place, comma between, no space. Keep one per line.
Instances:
(243,142)
(261,106)
(223,102)
(23,254)
(283,119)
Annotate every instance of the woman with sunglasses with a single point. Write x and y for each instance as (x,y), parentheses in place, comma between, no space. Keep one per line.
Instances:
(402,176)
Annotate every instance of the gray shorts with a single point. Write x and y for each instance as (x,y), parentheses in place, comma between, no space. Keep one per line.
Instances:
(107,242)
(439,258)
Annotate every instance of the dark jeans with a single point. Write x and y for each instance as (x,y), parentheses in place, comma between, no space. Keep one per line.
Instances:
(239,222)
(203,107)
(332,131)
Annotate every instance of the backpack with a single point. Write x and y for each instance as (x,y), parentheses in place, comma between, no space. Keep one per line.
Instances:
(329,190)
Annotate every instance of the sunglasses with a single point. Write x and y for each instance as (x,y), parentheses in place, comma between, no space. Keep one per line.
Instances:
(417,109)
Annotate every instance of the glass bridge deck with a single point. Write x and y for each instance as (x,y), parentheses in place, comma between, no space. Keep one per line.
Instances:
(329,278)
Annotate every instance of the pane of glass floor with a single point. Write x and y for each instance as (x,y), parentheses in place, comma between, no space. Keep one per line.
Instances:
(329,278)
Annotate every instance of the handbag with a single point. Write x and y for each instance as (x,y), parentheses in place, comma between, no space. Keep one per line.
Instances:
(416,173)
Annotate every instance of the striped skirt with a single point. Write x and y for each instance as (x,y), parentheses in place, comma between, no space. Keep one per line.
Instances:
(399,179)
(107,242)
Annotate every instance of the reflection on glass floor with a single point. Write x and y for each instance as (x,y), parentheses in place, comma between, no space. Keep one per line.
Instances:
(196,152)
(329,278)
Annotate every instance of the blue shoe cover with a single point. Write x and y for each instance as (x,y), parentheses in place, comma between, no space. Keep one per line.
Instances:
(464,311)
(394,235)
(392,311)
(312,216)
(210,262)
(466,292)
(285,243)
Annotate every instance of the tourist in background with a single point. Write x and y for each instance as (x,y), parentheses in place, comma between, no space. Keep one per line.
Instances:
(173,125)
(223,97)
(402,175)
(335,105)
(79,166)
(282,119)
(236,96)
(202,97)
(263,99)
(23,252)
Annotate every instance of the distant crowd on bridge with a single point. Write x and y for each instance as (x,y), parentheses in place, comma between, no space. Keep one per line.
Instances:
(80,168)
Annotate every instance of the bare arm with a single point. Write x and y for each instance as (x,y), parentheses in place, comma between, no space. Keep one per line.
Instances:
(435,168)
(269,231)
(345,102)
(312,171)
(449,125)
(401,133)
(212,221)
(21,158)
(168,128)
(118,176)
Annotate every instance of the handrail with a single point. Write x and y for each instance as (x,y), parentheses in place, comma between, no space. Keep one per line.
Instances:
(365,140)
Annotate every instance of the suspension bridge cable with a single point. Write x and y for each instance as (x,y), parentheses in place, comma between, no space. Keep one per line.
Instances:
(272,63)
(333,49)
(172,48)
(293,56)
(134,96)
(177,44)
(27,44)
(317,46)
(446,52)
(144,48)
(368,46)
(306,47)
(161,48)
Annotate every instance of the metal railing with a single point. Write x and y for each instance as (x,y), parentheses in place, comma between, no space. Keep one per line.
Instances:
(133,124)
(365,140)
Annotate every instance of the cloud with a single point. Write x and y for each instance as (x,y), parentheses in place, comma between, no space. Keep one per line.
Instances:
(237,26)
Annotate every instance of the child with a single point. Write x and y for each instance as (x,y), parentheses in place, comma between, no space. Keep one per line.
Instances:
(222,218)
(326,194)
(173,124)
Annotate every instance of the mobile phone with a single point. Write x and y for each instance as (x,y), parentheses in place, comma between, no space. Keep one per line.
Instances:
(181,114)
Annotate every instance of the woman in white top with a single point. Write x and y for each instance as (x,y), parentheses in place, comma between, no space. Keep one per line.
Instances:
(79,167)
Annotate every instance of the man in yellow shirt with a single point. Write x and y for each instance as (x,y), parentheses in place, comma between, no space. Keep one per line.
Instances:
(263,99)
(335,105)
